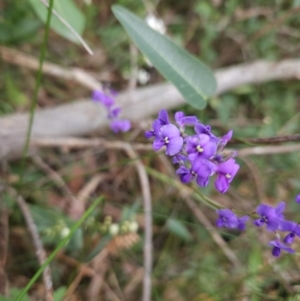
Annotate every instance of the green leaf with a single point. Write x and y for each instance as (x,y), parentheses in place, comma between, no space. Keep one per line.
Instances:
(68,11)
(178,228)
(59,294)
(192,78)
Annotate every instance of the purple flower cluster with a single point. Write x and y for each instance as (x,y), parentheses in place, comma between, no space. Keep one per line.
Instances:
(199,155)
(271,217)
(107,100)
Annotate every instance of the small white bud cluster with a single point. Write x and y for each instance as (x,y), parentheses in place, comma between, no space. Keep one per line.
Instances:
(108,227)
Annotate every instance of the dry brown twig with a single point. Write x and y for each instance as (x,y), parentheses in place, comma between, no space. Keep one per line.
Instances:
(74,207)
(40,252)
(73,74)
(258,180)
(3,249)
(147,204)
(75,143)
(268,150)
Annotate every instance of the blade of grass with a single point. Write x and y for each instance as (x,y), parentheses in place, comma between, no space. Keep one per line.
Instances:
(58,248)
(37,86)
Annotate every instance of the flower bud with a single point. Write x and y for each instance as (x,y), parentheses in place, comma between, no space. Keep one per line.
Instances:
(114,229)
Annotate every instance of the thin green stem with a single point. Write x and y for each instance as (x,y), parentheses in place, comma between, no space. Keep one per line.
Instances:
(37,86)
(58,248)
(193,191)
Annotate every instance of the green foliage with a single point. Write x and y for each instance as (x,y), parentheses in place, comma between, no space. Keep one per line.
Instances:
(14,96)
(68,11)
(193,79)
(17,23)
(178,228)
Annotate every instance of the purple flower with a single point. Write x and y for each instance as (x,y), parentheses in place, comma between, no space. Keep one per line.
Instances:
(183,120)
(297,199)
(278,246)
(104,98)
(156,125)
(170,137)
(242,222)
(293,228)
(179,159)
(205,129)
(163,119)
(279,210)
(120,125)
(227,219)
(199,147)
(269,217)
(222,143)
(227,137)
(200,169)
(225,174)
(114,113)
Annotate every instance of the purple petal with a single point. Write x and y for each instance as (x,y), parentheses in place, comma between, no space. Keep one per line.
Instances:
(178,118)
(279,209)
(114,113)
(203,168)
(182,170)
(234,171)
(170,131)
(221,183)
(227,137)
(230,220)
(158,144)
(179,159)
(202,182)
(287,225)
(219,223)
(242,222)
(209,150)
(120,126)
(174,146)
(272,225)
(186,178)
(228,167)
(275,251)
(278,244)
(258,222)
(163,117)
(203,139)
(202,129)
(297,230)
(149,134)
(265,210)
(298,199)
(190,120)
(106,100)
(289,238)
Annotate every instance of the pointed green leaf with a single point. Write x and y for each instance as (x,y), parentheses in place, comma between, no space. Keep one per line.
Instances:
(68,11)
(192,78)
